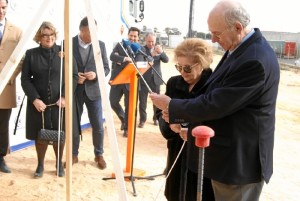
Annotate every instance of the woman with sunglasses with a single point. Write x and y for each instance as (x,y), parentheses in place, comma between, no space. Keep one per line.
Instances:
(193,57)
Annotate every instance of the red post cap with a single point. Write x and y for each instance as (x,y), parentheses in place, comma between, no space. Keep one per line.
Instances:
(202,135)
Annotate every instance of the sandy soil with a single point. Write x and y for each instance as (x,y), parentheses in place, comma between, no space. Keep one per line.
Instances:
(150,156)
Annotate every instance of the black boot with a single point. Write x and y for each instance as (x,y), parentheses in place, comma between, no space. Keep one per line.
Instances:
(3,166)
(61,171)
(41,152)
(122,123)
(39,172)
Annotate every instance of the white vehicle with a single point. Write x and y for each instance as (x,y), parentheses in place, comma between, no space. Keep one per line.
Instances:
(297,62)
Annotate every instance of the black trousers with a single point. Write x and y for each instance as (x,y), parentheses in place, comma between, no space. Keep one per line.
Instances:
(115,95)
(4,130)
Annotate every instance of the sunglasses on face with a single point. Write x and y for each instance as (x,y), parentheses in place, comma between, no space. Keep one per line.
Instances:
(186,68)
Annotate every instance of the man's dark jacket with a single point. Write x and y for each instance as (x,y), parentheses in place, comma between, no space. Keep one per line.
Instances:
(239,105)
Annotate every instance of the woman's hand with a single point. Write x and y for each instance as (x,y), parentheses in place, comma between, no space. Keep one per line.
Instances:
(175,127)
(61,102)
(183,133)
(39,105)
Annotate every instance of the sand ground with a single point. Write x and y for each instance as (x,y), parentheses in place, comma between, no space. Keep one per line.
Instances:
(150,156)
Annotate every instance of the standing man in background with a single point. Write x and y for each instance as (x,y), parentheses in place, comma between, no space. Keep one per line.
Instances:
(87,90)
(120,57)
(153,77)
(10,35)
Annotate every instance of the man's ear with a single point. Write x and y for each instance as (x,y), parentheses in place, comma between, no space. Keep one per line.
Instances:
(238,27)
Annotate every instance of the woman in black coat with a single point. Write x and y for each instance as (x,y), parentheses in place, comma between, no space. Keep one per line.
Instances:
(193,57)
(41,82)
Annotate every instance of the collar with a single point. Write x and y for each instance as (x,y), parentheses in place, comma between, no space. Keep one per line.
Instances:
(83,44)
(3,22)
(244,39)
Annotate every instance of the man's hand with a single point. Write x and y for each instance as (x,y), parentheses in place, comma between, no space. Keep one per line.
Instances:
(81,78)
(158,49)
(150,64)
(128,59)
(160,100)
(90,75)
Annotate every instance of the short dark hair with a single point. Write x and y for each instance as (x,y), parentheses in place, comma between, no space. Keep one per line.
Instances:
(85,23)
(134,29)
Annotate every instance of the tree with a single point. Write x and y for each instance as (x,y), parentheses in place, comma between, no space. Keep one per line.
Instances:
(172,31)
(167,30)
(201,35)
(208,36)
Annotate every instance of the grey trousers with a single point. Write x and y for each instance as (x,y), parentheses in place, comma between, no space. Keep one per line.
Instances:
(247,192)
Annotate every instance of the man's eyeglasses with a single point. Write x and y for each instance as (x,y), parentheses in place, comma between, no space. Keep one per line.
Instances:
(218,35)
(186,69)
(47,35)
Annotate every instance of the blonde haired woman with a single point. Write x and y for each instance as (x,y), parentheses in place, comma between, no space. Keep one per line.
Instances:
(193,57)
(40,81)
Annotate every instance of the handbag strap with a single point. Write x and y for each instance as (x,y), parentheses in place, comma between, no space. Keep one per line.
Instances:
(17,120)
(62,115)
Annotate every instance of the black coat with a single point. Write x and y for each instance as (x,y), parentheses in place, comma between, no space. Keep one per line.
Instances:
(91,87)
(118,64)
(41,79)
(153,75)
(178,88)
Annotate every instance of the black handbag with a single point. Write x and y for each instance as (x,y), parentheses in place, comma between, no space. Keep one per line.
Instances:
(50,137)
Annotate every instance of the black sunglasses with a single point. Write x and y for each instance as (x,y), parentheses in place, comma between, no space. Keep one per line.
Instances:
(186,69)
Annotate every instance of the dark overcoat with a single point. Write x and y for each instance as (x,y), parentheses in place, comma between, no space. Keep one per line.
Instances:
(153,75)
(176,182)
(41,79)
(239,105)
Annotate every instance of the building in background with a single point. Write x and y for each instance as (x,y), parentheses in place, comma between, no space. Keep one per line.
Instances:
(285,44)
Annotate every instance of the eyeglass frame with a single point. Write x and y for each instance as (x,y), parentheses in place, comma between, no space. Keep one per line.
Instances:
(47,35)
(218,35)
(185,68)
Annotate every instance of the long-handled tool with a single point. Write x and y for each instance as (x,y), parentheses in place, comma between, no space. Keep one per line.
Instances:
(202,135)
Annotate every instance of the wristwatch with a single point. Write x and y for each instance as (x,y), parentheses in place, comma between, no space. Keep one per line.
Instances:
(184,125)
